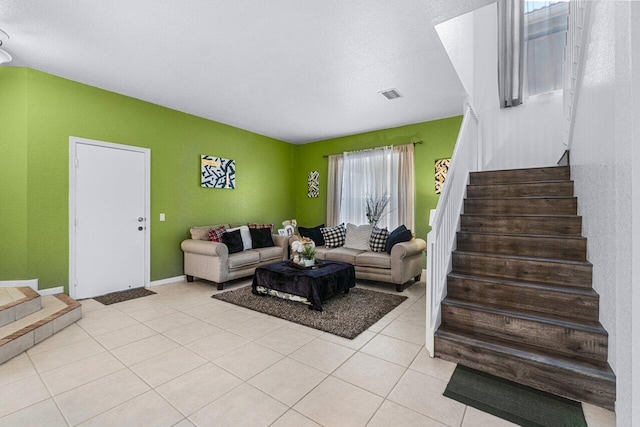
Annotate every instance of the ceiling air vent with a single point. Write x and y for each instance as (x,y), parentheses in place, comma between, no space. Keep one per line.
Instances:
(390,94)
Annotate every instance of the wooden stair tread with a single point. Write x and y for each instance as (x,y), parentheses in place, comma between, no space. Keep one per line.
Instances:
(550,181)
(532,236)
(522,198)
(521,215)
(579,324)
(529,284)
(525,258)
(534,354)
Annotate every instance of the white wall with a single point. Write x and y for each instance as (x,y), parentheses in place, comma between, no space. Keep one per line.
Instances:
(607,180)
(529,135)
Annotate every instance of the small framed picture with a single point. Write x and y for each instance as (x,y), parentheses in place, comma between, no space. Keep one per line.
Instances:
(282,232)
(289,230)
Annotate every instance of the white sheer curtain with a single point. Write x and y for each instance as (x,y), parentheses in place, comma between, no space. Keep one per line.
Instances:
(364,173)
(386,170)
(334,190)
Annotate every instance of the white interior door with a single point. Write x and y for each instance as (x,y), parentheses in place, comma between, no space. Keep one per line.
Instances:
(110,219)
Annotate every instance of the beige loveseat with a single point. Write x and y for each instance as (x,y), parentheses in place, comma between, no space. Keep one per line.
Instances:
(403,264)
(212,261)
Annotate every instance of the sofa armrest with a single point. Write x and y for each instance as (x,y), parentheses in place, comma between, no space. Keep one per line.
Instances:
(407,249)
(282,241)
(205,247)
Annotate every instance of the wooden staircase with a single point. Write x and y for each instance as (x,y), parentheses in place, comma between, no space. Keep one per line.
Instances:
(519,299)
(26,318)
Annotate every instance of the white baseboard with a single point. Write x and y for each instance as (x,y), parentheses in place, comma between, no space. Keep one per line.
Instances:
(167,280)
(51,291)
(33,284)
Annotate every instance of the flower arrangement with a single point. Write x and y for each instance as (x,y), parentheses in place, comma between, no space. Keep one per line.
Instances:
(376,206)
(303,248)
(301,243)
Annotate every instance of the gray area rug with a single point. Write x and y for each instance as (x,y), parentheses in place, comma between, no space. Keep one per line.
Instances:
(345,315)
(115,297)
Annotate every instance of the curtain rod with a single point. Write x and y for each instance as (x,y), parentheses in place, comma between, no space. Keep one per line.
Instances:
(370,149)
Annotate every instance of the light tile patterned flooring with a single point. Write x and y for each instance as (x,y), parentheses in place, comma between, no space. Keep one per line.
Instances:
(182,358)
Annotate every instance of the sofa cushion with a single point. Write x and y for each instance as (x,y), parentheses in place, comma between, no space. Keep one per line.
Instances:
(321,252)
(373,259)
(246,236)
(200,233)
(233,240)
(261,237)
(334,236)
(357,236)
(343,255)
(215,234)
(266,254)
(399,235)
(313,233)
(242,259)
(378,239)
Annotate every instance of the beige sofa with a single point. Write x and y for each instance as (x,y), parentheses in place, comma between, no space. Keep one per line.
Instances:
(212,261)
(403,264)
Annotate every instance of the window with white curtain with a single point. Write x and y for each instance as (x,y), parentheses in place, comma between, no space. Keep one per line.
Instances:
(544,34)
(378,172)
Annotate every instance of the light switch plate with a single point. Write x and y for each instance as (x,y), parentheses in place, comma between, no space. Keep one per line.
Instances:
(161,217)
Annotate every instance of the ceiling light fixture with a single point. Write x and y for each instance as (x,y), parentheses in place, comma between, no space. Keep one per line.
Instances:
(391,94)
(4,56)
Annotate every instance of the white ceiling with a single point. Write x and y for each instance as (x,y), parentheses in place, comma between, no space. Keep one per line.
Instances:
(295,70)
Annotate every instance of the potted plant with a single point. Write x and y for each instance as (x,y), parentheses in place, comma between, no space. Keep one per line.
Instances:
(309,256)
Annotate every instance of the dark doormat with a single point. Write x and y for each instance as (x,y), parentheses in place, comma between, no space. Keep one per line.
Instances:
(513,402)
(115,297)
(345,315)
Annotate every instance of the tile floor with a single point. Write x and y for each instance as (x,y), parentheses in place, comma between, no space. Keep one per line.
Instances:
(182,358)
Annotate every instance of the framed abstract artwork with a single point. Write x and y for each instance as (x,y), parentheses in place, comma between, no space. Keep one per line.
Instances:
(313,187)
(217,172)
(442,167)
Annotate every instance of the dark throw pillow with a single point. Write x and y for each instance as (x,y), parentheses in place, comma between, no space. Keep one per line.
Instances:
(313,233)
(233,240)
(399,235)
(261,237)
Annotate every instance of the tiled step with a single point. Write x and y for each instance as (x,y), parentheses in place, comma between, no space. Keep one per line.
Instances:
(16,303)
(57,312)
(550,205)
(556,173)
(561,247)
(573,302)
(527,189)
(562,225)
(585,340)
(528,269)
(544,370)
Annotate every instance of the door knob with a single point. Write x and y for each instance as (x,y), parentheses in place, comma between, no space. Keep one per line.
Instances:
(140,228)
(140,219)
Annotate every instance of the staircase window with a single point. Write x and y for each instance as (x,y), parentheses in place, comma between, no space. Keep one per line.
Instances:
(544,34)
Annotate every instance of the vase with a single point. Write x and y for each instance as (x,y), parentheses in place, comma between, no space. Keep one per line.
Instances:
(309,262)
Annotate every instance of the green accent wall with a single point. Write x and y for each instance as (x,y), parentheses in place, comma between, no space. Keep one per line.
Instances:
(13,173)
(41,111)
(58,108)
(438,136)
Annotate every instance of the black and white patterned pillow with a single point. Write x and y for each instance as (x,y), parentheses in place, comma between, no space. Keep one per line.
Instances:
(378,239)
(334,236)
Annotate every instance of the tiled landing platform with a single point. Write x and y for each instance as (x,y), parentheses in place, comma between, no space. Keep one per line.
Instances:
(27,318)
